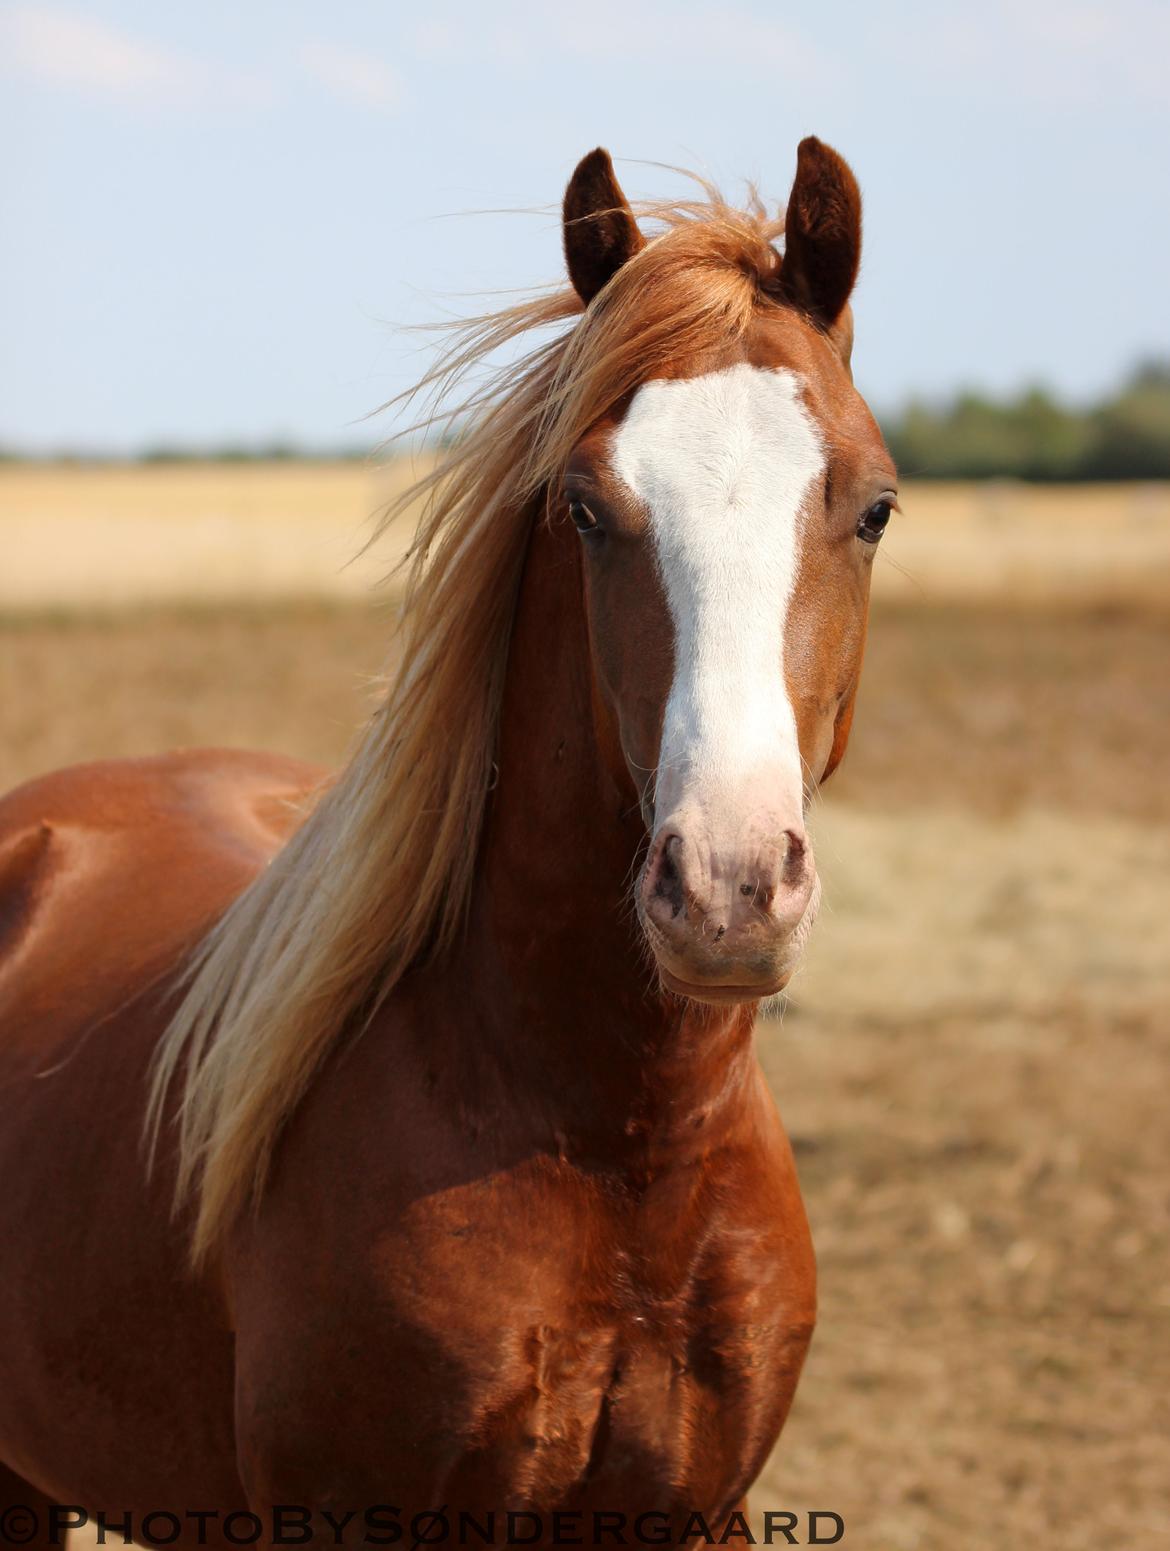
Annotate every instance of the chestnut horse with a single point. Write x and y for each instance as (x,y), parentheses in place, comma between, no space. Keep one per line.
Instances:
(398,1138)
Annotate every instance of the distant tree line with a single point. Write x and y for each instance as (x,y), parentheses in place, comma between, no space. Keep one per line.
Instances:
(1036,437)
(193,452)
(1030,437)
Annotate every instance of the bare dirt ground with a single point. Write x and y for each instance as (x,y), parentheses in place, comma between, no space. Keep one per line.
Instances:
(973,1065)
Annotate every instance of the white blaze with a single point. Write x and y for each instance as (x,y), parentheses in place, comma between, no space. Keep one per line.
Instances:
(722,464)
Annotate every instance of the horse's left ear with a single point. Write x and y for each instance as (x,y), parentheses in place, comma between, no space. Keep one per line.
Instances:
(599,226)
(822,239)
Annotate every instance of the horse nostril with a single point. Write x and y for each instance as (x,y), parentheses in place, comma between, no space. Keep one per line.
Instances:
(666,876)
(794,859)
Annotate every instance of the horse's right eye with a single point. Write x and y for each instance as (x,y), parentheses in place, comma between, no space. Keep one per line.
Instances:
(582,518)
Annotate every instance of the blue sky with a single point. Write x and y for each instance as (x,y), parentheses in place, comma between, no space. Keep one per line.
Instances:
(214,213)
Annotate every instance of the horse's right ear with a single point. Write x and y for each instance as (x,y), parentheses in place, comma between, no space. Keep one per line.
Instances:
(599,226)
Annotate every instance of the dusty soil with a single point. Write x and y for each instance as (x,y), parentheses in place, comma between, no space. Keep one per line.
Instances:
(973,1065)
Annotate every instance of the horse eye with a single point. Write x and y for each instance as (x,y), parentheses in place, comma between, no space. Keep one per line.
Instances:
(873,524)
(582,518)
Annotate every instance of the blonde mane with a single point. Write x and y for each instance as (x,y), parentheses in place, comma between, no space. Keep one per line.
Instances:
(378,876)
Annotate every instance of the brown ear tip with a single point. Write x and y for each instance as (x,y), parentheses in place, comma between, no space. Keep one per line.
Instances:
(593,162)
(812,154)
(593,183)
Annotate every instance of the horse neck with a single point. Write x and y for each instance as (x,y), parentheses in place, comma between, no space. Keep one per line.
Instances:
(564,993)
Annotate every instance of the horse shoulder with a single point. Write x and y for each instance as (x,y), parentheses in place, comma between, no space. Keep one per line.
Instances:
(108,870)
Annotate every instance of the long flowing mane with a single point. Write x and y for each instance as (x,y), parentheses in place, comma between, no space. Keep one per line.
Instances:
(378,876)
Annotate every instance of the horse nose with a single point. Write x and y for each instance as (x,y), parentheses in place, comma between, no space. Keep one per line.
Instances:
(695,890)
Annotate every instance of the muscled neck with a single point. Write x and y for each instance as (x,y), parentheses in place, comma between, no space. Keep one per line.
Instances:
(554,969)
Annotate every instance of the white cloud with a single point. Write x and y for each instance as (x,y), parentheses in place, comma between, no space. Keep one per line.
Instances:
(674,35)
(63,48)
(354,76)
(1065,53)
(659,35)
(72,50)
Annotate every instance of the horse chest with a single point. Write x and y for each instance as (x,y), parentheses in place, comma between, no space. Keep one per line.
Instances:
(629,1411)
(601,1355)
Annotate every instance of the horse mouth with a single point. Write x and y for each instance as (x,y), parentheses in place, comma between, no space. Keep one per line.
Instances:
(719,993)
(752,971)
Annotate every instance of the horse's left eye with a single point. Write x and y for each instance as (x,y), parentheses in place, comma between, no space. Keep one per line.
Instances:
(873,524)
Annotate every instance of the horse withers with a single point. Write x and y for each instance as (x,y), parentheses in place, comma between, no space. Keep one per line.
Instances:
(397,1137)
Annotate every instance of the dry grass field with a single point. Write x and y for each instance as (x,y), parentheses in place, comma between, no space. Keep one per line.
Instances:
(109,537)
(113,536)
(973,1065)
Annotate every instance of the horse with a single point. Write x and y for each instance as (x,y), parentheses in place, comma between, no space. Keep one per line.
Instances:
(395,1138)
